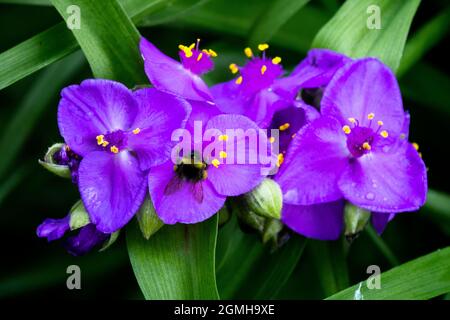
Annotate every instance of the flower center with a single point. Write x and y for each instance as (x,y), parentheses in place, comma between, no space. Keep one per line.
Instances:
(114,141)
(360,140)
(191,169)
(259,72)
(196,60)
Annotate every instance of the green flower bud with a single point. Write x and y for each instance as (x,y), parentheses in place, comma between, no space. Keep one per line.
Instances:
(78,216)
(271,230)
(355,220)
(49,162)
(149,223)
(108,243)
(266,200)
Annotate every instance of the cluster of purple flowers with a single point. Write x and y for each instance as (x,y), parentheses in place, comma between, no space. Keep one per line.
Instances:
(343,138)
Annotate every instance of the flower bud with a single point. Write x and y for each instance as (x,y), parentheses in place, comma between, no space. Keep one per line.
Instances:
(265,200)
(78,216)
(50,163)
(112,238)
(355,220)
(149,223)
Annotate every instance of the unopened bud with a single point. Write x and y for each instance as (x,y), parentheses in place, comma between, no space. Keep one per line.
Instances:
(265,200)
(355,220)
(50,163)
(149,223)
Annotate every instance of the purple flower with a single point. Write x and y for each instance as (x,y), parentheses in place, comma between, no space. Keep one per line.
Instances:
(87,238)
(119,135)
(67,157)
(179,78)
(356,151)
(196,187)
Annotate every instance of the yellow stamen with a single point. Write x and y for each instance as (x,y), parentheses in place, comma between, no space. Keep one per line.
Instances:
(114,149)
(346,129)
(272,139)
(293,136)
(366,146)
(370,116)
(215,163)
(187,50)
(136,131)
(100,139)
(352,120)
(233,68)
(276,60)
(223,137)
(280,159)
(248,52)
(263,69)
(263,46)
(380,123)
(223,154)
(284,126)
(384,134)
(212,53)
(416,146)
(105,143)
(192,46)
(239,80)
(199,57)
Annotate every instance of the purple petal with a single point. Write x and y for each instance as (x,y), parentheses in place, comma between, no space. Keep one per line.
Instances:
(202,112)
(112,188)
(92,108)
(227,96)
(380,220)
(321,221)
(386,182)
(166,74)
(85,240)
(53,229)
(182,201)
(314,162)
(159,115)
(363,87)
(315,71)
(232,177)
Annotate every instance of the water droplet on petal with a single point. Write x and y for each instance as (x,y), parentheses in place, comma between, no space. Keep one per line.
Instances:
(370,196)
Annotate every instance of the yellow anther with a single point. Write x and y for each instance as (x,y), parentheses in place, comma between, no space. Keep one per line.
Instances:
(248,52)
(346,129)
(192,46)
(239,80)
(263,69)
(233,68)
(370,116)
(384,134)
(100,139)
(366,146)
(187,50)
(114,149)
(272,139)
(199,57)
(136,131)
(263,46)
(222,154)
(215,163)
(416,146)
(276,60)
(212,53)
(223,137)
(284,126)
(380,123)
(105,143)
(352,120)
(280,159)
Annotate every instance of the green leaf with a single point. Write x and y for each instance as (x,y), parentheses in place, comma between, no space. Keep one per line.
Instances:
(35,53)
(437,208)
(382,246)
(348,32)
(178,262)
(248,270)
(149,223)
(33,105)
(424,39)
(12,181)
(108,39)
(28,2)
(423,278)
(272,18)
